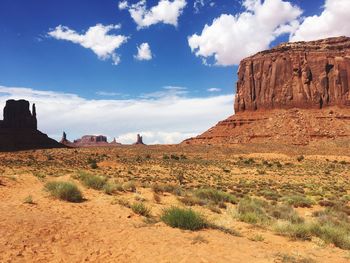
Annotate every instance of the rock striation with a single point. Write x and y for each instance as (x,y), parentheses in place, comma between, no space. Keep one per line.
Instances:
(306,75)
(294,93)
(18,129)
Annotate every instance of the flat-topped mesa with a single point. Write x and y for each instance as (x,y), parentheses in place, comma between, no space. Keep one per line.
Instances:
(88,141)
(306,75)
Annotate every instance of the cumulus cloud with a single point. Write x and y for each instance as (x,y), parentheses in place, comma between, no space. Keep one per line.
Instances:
(333,21)
(96,38)
(232,37)
(213,89)
(143,52)
(160,118)
(166,11)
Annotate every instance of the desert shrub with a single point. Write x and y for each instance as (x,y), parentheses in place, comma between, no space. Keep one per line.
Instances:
(215,196)
(140,209)
(284,212)
(29,200)
(167,188)
(301,231)
(252,211)
(333,226)
(183,218)
(92,163)
(165,157)
(65,191)
(92,181)
(191,200)
(111,188)
(298,201)
(300,158)
(129,186)
(174,157)
(332,233)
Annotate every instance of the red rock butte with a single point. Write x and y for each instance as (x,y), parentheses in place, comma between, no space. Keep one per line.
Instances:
(18,129)
(293,93)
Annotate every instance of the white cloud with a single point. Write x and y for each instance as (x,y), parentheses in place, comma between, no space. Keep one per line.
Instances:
(123,5)
(143,52)
(166,11)
(199,4)
(333,21)
(213,89)
(159,118)
(107,93)
(232,37)
(96,38)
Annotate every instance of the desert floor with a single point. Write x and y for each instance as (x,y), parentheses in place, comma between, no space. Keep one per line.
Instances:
(263,203)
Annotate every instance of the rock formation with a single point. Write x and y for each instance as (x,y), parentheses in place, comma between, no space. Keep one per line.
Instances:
(303,75)
(293,93)
(139,140)
(18,129)
(88,141)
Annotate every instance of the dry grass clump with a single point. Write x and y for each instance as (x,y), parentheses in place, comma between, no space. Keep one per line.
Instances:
(92,181)
(250,210)
(183,218)
(65,191)
(215,196)
(141,209)
(298,201)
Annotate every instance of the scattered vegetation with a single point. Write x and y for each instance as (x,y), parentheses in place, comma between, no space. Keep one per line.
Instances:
(183,218)
(141,209)
(65,191)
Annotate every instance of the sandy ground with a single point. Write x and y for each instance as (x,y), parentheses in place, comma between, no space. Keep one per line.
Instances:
(98,231)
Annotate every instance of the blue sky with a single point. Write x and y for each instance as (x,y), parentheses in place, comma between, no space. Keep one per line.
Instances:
(31,57)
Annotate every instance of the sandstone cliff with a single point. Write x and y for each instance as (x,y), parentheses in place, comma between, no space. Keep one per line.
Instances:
(302,74)
(294,93)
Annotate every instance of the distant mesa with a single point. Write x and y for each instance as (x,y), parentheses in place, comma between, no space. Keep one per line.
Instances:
(18,129)
(139,140)
(294,93)
(88,141)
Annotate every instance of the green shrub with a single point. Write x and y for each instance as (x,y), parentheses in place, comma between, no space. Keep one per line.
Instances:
(111,188)
(183,218)
(331,233)
(215,196)
(301,231)
(140,209)
(298,201)
(92,181)
(252,211)
(285,212)
(65,191)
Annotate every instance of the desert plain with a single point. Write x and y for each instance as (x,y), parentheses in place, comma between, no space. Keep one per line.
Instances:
(251,203)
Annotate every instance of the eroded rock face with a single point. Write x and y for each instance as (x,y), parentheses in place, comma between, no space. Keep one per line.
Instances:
(294,93)
(18,130)
(303,75)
